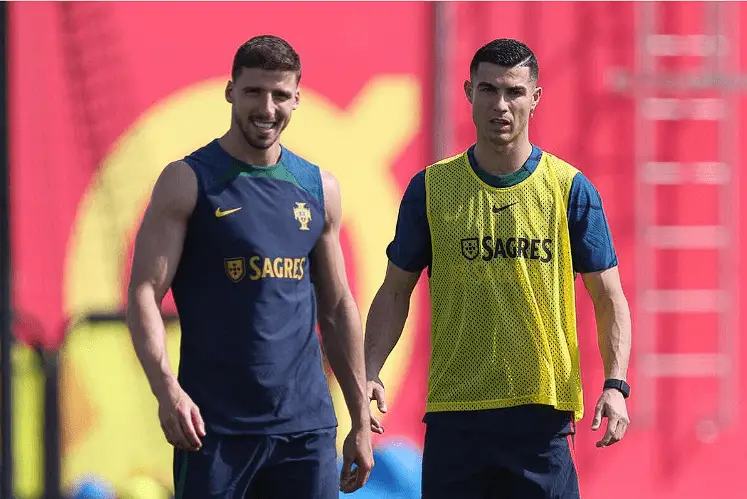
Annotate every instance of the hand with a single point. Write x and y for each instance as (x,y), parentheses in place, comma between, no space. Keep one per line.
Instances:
(356,450)
(376,392)
(611,405)
(180,419)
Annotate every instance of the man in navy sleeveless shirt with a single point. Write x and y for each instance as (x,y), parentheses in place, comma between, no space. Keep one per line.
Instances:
(246,235)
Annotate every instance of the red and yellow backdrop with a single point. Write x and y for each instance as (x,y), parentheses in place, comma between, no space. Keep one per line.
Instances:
(104,95)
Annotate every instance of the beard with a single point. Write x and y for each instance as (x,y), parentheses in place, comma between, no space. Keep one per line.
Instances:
(503,138)
(257,141)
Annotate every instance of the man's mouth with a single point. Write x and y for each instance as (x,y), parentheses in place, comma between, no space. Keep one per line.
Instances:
(500,122)
(263,125)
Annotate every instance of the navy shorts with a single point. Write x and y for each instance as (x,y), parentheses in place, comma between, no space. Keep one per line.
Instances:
(293,466)
(531,458)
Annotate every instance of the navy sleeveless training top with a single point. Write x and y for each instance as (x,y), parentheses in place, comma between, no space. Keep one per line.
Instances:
(250,357)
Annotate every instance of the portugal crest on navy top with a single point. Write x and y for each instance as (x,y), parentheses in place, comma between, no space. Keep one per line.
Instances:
(235,268)
(303,215)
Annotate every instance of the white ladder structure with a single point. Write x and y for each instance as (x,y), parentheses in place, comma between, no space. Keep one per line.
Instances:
(717,47)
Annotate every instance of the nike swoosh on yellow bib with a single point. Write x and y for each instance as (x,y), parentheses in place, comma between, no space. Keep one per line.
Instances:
(219,213)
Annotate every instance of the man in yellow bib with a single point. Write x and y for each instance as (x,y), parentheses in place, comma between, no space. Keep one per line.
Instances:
(503,229)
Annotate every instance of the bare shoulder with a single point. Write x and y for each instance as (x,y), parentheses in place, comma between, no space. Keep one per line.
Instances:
(175,190)
(332,198)
(330,184)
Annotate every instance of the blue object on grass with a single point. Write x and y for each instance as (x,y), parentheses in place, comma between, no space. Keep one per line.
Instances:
(396,474)
(92,488)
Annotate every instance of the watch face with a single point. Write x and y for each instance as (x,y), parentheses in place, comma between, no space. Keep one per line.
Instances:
(624,388)
(618,384)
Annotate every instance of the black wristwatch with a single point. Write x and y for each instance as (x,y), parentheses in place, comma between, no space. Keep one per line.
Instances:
(618,385)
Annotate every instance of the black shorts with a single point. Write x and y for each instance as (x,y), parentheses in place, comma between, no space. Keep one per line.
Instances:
(293,466)
(531,459)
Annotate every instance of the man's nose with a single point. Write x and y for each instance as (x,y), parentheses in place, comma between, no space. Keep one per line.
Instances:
(267,104)
(501,103)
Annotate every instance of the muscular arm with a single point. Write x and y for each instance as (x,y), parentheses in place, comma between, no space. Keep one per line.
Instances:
(613,320)
(158,248)
(387,317)
(594,258)
(408,253)
(339,319)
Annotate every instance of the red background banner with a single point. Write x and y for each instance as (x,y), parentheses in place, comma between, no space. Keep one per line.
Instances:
(95,87)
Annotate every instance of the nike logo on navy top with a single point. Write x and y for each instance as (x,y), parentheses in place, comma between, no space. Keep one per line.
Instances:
(498,210)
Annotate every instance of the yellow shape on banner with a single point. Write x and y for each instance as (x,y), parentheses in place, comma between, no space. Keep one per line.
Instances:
(358,145)
(28,421)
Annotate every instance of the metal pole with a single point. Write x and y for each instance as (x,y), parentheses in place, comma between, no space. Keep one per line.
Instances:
(52,448)
(645,343)
(726,62)
(6,341)
(442,121)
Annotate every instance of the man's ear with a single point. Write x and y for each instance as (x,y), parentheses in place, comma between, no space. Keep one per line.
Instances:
(536,96)
(468,90)
(229,92)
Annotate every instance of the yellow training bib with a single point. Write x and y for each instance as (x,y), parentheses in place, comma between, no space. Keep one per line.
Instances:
(503,319)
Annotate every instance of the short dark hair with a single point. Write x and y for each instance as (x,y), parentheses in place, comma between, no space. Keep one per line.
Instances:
(507,53)
(266,52)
